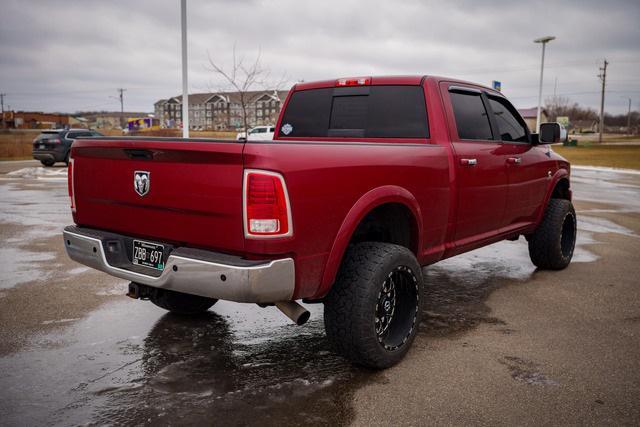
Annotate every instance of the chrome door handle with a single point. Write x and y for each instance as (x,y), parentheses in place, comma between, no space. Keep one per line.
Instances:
(514,160)
(468,162)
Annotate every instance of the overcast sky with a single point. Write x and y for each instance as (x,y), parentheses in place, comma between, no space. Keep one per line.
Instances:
(73,55)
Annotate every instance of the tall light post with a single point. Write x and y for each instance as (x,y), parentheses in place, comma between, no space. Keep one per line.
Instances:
(544,41)
(185,85)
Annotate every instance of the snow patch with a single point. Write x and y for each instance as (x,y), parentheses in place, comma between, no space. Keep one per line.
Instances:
(39,173)
(607,169)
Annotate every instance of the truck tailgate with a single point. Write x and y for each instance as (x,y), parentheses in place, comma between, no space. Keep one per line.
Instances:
(194,196)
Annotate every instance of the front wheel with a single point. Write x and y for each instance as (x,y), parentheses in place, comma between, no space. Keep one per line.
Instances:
(372,313)
(181,303)
(551,245)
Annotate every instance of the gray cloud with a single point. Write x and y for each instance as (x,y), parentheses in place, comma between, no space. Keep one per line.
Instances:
(72,55)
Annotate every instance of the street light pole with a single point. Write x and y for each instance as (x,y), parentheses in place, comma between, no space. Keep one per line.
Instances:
(185,86)
(544,41)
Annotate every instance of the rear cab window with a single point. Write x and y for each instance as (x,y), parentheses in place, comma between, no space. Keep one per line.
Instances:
(393,111)
(47,135)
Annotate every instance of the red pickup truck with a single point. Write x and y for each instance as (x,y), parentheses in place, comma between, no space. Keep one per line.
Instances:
(366,180)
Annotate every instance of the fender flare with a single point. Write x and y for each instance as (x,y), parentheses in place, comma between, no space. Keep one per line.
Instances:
(369,201)
(557,177)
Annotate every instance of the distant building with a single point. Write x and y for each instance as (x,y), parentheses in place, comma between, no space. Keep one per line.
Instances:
(221,110)
(531,114)
(37,120)
(107,120)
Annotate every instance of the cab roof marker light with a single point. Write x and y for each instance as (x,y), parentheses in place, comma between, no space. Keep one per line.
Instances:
(354,81)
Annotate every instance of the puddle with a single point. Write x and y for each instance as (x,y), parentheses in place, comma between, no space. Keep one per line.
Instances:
(131,363)
(603,186)
(602,225)
(20,266)
(45,210)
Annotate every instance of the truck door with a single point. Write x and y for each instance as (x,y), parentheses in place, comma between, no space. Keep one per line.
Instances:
(481,172)
(526,164)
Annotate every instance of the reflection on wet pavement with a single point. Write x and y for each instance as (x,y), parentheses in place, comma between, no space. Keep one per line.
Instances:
(132,363)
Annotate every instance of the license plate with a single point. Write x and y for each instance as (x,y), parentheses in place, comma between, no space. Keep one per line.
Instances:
(148,254)
(42,146)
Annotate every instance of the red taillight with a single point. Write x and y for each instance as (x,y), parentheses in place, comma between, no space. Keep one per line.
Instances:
(266,205)
(70,185)
(54,141)
(354,81)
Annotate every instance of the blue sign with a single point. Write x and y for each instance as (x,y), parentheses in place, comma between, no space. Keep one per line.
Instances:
(497,85)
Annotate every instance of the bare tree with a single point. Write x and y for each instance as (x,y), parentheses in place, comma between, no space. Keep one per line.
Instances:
(243,77)
(563,106)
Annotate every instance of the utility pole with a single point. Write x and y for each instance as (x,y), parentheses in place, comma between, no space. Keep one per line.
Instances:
(121,90)
(543,41)
(629,118)
(603,77)
(185,85)
(2,95)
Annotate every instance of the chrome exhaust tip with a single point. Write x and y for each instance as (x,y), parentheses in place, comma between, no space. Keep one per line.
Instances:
(294,311)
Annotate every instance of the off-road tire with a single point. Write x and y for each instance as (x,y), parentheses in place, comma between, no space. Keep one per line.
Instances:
(351,307)
(180,303)
(551,246)
(47,163)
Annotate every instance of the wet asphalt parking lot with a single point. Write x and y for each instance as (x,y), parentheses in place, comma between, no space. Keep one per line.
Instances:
(500,343)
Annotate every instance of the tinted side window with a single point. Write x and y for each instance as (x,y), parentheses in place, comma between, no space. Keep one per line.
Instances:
(510,126)
(472,120)
(370,112)
(307,113)
(72,135)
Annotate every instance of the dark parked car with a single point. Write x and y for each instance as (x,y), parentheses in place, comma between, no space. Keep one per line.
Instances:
(55,145)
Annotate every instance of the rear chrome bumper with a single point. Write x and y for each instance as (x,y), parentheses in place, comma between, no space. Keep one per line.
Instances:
(195,272)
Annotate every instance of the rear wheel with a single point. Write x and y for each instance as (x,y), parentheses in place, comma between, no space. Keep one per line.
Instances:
(373,310)
(47,163)
(180,303)
(551,245)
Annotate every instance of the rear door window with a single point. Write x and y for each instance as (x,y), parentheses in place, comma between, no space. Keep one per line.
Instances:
(357,112)
(471,116)
(510,124)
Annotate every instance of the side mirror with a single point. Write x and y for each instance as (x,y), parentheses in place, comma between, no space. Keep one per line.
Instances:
(550,133)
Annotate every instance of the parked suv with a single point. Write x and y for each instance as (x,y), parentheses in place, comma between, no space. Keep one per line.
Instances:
(55,145)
